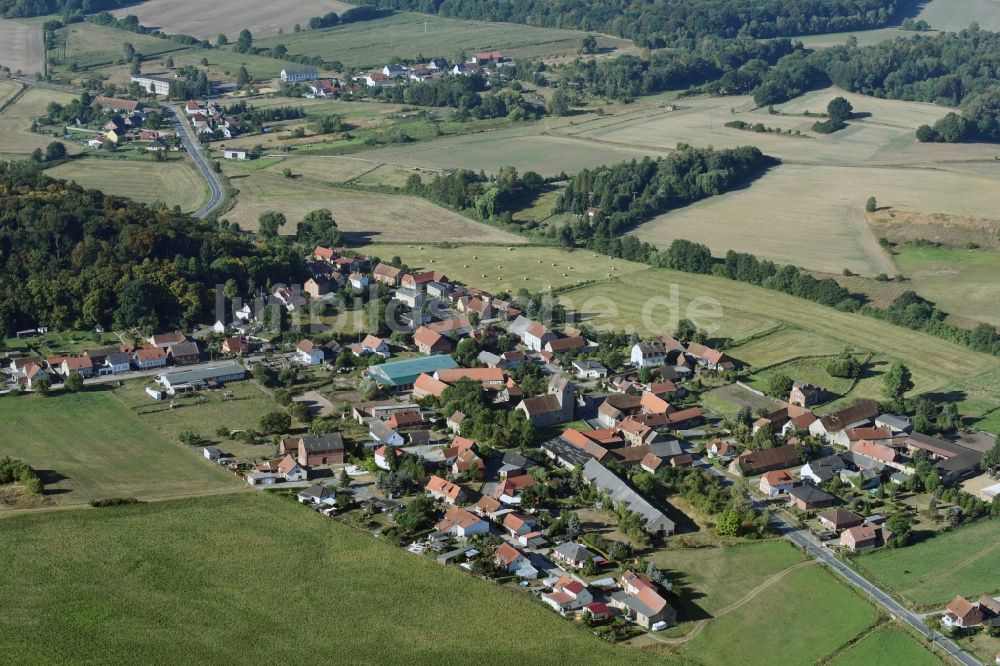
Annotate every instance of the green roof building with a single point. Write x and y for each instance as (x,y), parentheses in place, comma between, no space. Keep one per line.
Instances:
(402,374)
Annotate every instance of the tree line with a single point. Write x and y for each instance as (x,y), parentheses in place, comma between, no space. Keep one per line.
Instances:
(74,258)
(657,23)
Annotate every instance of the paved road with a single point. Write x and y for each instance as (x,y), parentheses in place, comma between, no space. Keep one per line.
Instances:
(804,540)
(193,147)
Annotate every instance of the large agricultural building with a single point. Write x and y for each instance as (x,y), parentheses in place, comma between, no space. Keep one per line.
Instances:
(179,381)
(401,374)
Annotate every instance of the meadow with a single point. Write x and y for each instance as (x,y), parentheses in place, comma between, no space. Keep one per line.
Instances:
(808,614)
(650,302)
(373,43)
(929,574)
(174,183)
(21,47)
(91,45)
(229,18)
(200,577)
(362,215)
(889,646)
(16,138)
(90,445)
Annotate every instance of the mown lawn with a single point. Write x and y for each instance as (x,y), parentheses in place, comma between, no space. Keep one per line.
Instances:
(887,646)
(90,445)
(255,578)
(802,618)
(929,574)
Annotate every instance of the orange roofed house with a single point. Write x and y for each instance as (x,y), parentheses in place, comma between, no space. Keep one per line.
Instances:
(443,489)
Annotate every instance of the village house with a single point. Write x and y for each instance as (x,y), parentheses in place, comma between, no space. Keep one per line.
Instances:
(864,537)
(290,470)
(149,357)
(381,433)
(308,353)
(804,394)
(117,362)
(831,427)
(461,523)
(512,560)
(382,454)
(776,482)
(517,524)
(574,555)
(555,406)
(320,450)
(386,274)
(167,340)
(78,364)
(445,490)
(641,602)
(184,353)
(568,595)
(562,345)
(318,495)
(963,614)
(648,354)
(431,342)
(808,497)
(617,407)
(752,463)
(721,450)
(298,75)
(840,519)
(710,359)
(316,286)
(588,369)
(510,489)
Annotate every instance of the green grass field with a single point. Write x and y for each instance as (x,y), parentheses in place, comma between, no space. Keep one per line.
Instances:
(257,578)
(929,574)
(91,45)
(99,448)
(959,281)
(404,35)
(887,646)
(805,617)
(175,183)
(713,578)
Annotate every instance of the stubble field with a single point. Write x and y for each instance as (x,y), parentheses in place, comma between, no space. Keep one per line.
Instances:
(21,47)
(172,183)
(16,138)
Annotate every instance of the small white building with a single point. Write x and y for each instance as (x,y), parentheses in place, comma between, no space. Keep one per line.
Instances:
(211,453)
(234,154)
(308,353)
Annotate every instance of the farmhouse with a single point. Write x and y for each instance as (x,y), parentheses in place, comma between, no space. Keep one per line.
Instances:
(588,369)
(387,274)
(648,354)
(317,495)
(201,377)
(776,482)
(320,450)
(79,364)
(308,353)
(573,554)
(804,394)
(764,460)
(431,342)
(832,426)
(840,519)
(511,559)
(864,537)
(708,358)
(148,358)
(184,353)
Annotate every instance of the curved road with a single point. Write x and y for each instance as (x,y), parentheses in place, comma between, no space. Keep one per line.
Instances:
(193,148)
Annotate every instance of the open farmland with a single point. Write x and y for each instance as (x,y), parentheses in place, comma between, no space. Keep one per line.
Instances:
(173,183)
(229,18)
(887,645)
(21,47)
(929,574)
(749,633)
(724,308)
(90,445)
(362,215)
(404,35)
(221,559)
(16,137)
(523,148)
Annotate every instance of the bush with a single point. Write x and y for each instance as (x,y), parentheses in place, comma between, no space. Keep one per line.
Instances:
(114,501)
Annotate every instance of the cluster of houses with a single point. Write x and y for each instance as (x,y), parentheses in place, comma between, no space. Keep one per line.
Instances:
(125,124)
(209,119)
(156,352)
(487,63)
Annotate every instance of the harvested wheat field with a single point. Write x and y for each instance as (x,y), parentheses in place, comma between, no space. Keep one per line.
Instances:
(21,47)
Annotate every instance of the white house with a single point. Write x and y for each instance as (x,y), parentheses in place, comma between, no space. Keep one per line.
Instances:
(777,482)
(383,434)
(382,454)
(308,353)
(211,453)
(290,469)
(589,369)
(234,154)
(118,362)
(358,281)
(297,75)
(393,70)
(318,495)
(536,336)
(461,523)
(648,354)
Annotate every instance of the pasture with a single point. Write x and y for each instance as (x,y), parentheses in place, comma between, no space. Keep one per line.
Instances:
(206,21)
(90,45)
(21,47)
(959,281)
(889,646)
(221,559)
(172,183)
(90,445)
(929,574)
(16,137)
(362,215)
(524,148)
(651,301)
(404,35)
(750,632)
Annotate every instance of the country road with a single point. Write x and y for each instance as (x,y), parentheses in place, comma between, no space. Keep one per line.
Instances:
(193,147)
(804,540)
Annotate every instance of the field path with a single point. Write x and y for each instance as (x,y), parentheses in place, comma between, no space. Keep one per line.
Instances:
(748,597)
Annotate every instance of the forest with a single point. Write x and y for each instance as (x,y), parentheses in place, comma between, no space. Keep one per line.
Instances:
(27,8)
(657,23)
(74,258)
